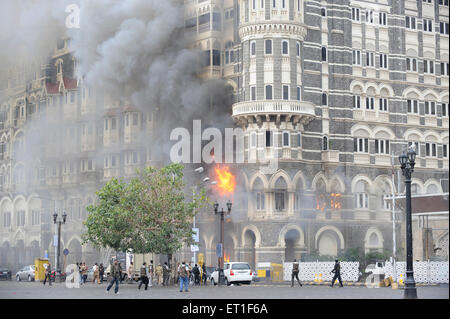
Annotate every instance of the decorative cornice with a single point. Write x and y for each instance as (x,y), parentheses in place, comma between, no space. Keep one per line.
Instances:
(289,28)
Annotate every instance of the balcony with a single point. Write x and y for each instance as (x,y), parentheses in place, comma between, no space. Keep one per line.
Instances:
(302,110)
(330,156)
(361,158)
(383,159)
(431,162)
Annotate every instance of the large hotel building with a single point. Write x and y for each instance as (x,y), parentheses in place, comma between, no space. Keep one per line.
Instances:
(335,90)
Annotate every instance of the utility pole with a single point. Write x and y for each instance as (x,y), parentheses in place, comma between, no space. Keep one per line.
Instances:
(394,243)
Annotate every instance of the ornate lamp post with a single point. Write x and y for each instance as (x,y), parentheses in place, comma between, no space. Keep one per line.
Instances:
(222,213)
(59,222)
(407,162)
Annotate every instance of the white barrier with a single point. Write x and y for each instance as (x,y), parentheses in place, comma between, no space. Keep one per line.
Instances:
(309,271)
(424,271)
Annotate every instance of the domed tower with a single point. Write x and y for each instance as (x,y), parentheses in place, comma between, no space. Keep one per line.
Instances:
(270,108)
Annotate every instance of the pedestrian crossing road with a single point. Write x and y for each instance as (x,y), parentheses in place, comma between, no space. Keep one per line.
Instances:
(36,290)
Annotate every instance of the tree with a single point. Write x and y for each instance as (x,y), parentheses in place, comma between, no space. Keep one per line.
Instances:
(148,214)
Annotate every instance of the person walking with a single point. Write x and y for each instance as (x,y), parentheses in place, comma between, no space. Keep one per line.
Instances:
(80,265)
(115,277)
(96,274)
(204,274)
(144,276)
(48,273)
(183,273)
(166,274)
(295,270)
(159,274)
(101,272)
(337,273)
(130,272)
(196,273)
(150,273)
(84,272)
(121,276)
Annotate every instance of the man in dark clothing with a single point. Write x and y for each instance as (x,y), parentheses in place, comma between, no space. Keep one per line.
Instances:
(101,271)
(115,277)
(196,273)
(204,274)
(48,272)
(295,271)
(337,273)
(166,274)
(144,276)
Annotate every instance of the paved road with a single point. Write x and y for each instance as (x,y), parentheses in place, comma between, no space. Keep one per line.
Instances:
(36,290)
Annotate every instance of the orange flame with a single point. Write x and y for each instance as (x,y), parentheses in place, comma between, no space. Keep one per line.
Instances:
(226,182)
(335,201)
(226,257)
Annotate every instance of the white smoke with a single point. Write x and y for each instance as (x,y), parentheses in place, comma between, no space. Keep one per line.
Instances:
(29,29)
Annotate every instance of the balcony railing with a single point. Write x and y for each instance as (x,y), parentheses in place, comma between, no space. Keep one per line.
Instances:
(273,107)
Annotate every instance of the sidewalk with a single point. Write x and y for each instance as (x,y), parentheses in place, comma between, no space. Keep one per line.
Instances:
(328,283)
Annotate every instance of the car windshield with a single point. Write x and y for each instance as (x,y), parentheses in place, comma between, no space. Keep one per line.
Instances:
(240,266)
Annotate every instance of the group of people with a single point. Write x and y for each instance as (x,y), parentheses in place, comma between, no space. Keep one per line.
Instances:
(199,274)
(146,274)
(336,271)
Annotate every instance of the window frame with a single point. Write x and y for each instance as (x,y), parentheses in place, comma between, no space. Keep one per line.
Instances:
(356,57)
(430,108)
(414,105)
(283,43)
(266,41)
(427,25)
(284,140)
(271,92)
(356,14)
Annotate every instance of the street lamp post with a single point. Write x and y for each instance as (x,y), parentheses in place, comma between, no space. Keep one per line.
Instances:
(222,213)
(59,223)
(407,162)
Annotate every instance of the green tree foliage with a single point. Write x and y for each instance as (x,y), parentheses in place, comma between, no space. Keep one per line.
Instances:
(148,214)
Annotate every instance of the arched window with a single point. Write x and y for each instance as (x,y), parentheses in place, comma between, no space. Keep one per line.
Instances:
(324,99)
(321,195)
(285,47)
(324,54)
(432,189)
(286,139)
(259,196)
(323,12)
(298,195)
(268,47)
(253,48)
(280,193)
(325,143)
(361,195)
(268,92)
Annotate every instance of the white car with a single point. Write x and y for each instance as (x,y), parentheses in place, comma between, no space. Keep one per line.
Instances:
(235,273)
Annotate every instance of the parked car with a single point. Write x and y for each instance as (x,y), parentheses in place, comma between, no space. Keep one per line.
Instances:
(26,273)
(235,273)
(5,273)
(255,276)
